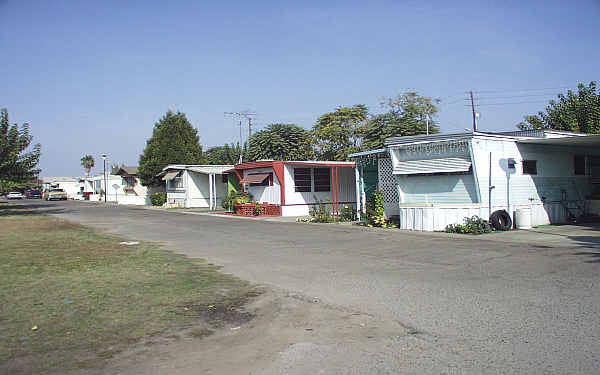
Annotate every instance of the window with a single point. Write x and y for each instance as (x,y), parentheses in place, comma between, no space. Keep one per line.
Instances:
(224,178)
(302,179)
(176,183)
(129,182)
(579,165)
(529,166)
(322,179)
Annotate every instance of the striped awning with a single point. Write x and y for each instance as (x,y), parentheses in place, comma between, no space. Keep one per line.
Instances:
(170,175)
(256,178)
(440,165)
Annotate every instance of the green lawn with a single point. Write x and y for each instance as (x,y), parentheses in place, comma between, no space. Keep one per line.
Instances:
(71,297)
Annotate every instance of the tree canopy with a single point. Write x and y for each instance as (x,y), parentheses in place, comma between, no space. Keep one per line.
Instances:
(337,134)
(87,162)
(174,141)
(226,154)
(281,142)
(576,112)
(18,162)
(407,115)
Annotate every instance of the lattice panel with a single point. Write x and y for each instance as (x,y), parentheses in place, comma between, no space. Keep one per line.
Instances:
(387,181)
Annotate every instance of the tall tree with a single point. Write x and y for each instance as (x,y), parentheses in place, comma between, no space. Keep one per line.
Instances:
(576,112)
(281,142)
(226,154)
(18,161)
(174,141)
(408,114)
(87,162)
(337,134)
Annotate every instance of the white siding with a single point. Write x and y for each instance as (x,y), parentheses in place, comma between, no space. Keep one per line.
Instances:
(441,189)
(436,189)
(196,191)
(513,189)
(262,194)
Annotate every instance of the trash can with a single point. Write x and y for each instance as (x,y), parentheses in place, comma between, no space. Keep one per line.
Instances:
(523,218)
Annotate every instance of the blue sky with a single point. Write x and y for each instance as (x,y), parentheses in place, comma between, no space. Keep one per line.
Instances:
(94,77)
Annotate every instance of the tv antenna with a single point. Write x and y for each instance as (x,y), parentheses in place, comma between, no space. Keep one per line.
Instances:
(243,115)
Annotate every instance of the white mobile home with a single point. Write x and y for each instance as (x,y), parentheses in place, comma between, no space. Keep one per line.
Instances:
(70,185)
(196,185)
(123,187)
(443,178)
(296,186)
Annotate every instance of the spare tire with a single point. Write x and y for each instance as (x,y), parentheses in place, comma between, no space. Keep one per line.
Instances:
(500,220)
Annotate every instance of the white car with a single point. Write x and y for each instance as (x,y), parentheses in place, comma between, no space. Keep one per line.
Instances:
(14,195)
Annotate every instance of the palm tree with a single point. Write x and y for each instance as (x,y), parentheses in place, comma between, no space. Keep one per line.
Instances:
(87,162)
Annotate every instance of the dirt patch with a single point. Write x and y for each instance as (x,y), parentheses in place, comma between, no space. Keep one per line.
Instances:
(286,329)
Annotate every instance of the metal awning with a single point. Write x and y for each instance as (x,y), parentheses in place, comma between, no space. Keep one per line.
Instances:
(255,178)
(577,141)
(170,175)
(440,165)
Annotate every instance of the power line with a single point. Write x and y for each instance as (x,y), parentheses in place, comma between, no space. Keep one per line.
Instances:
(529,102)
(524,90)
(511,96)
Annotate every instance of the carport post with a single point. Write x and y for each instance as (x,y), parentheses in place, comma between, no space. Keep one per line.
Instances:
(357,188)
(210,191)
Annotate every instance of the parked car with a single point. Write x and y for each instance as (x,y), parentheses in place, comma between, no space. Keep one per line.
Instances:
(14,195)
(58,194)
(34,194)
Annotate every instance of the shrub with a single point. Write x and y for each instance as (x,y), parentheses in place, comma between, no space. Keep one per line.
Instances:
(158,199)
(347,213)
(235,197)
(375,210)
(472,225)
(258,209)
(320,213)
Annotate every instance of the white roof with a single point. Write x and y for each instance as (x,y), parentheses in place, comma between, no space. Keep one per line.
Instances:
(200,168)
(47,180)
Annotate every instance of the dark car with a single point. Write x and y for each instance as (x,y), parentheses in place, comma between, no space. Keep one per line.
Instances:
(34,194)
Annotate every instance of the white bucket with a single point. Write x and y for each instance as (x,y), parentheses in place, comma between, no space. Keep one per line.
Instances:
(523,218)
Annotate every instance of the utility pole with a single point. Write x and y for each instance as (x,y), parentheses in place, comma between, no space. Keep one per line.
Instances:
(247,115)
(473,110)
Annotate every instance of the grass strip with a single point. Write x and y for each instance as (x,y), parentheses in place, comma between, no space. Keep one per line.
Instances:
(71,297)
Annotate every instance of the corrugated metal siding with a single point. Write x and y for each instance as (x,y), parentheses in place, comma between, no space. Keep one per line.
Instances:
(442,189)
(434,218)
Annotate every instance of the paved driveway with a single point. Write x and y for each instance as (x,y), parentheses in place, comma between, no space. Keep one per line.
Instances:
(474,304)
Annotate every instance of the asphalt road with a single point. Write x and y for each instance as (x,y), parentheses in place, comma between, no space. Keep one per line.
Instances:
(472,305)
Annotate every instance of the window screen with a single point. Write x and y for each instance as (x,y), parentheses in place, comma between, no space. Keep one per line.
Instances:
(579,164)
(322,179)
(529,166)
(302,179)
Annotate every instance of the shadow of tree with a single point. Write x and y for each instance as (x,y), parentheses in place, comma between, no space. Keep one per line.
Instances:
(592,257)
(30,209)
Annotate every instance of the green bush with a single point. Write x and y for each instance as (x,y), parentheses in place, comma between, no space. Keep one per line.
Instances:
(235,197)
(472,225)
(320,213)
(158,199)
(375,210)
(258,209)
(347,213)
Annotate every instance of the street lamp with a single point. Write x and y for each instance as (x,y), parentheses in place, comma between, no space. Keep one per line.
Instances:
(104,156)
